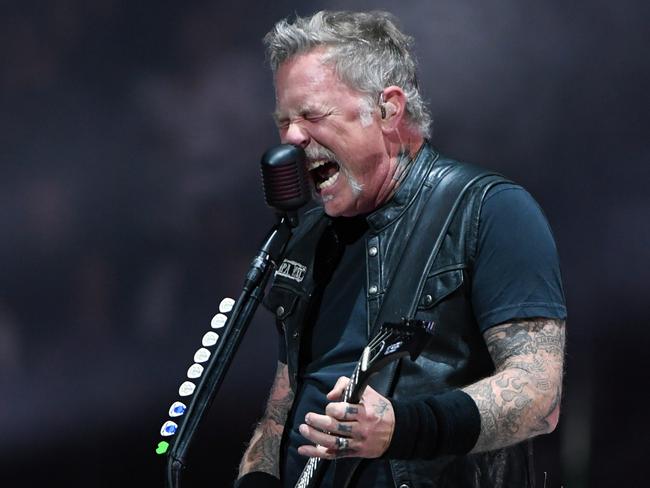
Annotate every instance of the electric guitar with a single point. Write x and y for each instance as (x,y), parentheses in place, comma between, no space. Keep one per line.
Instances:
(393,341)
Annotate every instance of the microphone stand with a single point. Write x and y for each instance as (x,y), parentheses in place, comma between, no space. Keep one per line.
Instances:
(255,282)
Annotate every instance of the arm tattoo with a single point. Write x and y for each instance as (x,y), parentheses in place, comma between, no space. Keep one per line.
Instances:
(522,398)
(264,449)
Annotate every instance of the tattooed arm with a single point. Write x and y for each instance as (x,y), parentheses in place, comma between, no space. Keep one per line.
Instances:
(263,452)
(522,398)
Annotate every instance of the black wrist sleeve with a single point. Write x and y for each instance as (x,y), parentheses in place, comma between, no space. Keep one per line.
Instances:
(448,423)
(258,479)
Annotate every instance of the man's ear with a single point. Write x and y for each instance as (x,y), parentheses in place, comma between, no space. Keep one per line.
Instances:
(392,107)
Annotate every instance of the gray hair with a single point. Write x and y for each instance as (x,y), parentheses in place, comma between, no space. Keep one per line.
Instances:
(366,49)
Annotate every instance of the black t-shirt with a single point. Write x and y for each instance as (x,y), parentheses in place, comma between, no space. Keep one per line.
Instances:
(516,275)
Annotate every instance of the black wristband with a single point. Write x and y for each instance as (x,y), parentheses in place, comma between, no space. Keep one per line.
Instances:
(448,423)
(258,479)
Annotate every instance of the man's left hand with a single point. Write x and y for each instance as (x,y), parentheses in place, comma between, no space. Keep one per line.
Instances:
(349,429)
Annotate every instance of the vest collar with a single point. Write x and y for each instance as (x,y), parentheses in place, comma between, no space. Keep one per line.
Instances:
(407,190)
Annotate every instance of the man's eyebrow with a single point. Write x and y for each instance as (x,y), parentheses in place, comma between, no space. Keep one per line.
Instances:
(277,115)
(312,109)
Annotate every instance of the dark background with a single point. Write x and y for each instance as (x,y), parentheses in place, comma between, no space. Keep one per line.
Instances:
(130,136)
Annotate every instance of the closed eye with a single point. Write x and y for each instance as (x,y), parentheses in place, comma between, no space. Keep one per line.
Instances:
(314,117)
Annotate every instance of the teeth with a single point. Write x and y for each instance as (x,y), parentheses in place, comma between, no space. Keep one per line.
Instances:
(329,181)
(315,164)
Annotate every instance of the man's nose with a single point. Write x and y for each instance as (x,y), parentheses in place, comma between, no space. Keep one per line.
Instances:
(296,135)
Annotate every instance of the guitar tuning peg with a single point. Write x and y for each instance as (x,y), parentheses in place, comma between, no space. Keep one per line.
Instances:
(226,305)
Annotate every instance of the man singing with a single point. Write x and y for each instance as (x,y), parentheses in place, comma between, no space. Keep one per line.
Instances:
(490,379)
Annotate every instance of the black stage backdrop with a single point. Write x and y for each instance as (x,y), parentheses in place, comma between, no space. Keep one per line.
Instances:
(130,136)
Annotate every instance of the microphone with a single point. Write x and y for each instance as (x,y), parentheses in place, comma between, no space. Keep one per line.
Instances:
(285,180)
(286,189)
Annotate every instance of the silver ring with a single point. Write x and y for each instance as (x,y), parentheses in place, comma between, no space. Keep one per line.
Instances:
(342,443)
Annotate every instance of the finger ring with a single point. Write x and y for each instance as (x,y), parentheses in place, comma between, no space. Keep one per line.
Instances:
(342,443)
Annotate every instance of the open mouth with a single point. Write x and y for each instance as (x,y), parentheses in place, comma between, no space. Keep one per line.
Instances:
(324,173)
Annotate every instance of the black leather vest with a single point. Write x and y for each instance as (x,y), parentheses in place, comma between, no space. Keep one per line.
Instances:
(455,357)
